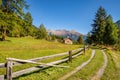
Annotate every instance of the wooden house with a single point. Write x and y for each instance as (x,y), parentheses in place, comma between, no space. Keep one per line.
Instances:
(68,41)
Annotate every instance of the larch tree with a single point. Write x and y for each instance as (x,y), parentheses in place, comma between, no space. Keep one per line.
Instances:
(9,7)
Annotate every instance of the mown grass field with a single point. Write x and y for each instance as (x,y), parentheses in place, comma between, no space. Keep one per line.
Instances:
(27,48)
(54,73)
(112,72)
(89,70)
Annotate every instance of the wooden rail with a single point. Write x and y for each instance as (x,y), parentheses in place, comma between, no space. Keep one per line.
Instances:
(10,63)
(2,65)
(28,70)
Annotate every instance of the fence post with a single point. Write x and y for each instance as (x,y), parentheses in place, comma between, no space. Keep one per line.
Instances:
(70,56)
(9,70)
(84,49)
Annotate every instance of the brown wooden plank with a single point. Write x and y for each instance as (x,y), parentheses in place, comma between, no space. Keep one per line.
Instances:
(46,57)
(70,56)
(2,65)
(33,62)
(2,77)
(9,70)
(28,70)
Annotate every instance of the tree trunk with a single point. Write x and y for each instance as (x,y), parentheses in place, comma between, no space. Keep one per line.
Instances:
(3,34)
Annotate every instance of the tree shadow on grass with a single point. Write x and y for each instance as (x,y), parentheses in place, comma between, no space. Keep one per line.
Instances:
(42,68)
(37,71)
(5,40)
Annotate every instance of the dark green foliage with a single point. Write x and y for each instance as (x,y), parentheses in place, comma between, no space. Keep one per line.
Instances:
(99,26)
(104,30)
(0,3)
(41,33)
(12,13)
(118,43)
(28,24)
(16,6)
(111,32)
(28,18)
(80,39)
(88,40)
(13,21)
(53,37)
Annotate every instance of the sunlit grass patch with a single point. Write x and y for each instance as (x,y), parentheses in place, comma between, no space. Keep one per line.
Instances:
(27,48)
(90,69)
(111,71)
(54,73)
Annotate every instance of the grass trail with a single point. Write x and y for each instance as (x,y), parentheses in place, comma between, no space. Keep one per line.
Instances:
(89,70)
(54,73)
(78,67)
(102,69)
(111,71)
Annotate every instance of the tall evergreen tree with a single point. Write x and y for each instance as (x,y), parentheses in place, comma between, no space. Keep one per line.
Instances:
(80,39)
(111,32)
(42,32)
(28,18)
(99,26)
(28,26)
(88,40)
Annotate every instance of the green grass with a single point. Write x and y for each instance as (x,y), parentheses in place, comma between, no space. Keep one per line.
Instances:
(27,48)
(54,73)
(111,72)
(90,69)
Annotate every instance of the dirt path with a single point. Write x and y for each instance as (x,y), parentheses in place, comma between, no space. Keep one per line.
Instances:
(101,70)
(77,68)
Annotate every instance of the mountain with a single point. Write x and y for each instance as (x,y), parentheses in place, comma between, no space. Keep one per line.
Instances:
(118,23)
(65,33)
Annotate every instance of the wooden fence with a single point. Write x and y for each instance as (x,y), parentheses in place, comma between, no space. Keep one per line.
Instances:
(13,62)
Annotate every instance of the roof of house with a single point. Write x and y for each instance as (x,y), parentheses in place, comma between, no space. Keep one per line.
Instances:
(68,38)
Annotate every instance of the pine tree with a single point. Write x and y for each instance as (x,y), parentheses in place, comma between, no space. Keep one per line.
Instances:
(80,39)
(28,26)
(28,18)
(111,32)
(99,26)
(88,40)
(42,32)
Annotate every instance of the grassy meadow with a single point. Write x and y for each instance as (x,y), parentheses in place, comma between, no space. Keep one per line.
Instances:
(54,73)
(27,48)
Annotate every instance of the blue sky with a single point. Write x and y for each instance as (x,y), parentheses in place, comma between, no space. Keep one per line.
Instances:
(75,15)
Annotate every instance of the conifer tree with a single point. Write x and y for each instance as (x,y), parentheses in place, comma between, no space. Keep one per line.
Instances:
(111,32)
(80,39)
(99,26)
(42,32)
